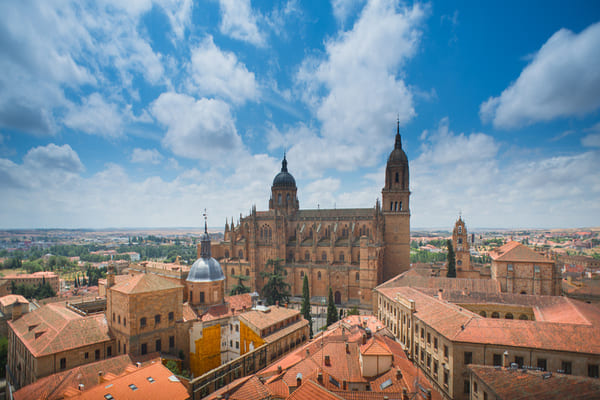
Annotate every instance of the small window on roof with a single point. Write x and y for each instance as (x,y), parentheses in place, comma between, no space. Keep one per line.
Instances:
(108,396)
(133,387)
(150,379)
(386,384)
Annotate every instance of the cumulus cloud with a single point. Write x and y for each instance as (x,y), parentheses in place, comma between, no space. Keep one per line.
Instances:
(217,72)
(343,8)
(95,116)
(562,80)
(146,156)
(356,89)
(199,129)
(240,21)
(50,48)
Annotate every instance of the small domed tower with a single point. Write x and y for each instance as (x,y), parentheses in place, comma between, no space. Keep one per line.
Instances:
(205,281)
(283,191)
(460,241)
(395,207)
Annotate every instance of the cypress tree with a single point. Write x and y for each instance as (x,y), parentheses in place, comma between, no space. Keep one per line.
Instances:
(332,312)
(451,261)
(305,310)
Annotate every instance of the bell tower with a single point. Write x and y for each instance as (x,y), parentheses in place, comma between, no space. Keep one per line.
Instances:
(395,197)
(283,191)
(460,241)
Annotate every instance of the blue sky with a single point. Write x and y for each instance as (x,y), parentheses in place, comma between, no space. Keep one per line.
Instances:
(143,113)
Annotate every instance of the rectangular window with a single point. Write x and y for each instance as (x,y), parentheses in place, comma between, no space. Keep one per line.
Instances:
(191,296)
(237,328)
(519,361)
(97,354)
(422,333)
(485,396)
(109,351)
(541,363)
(237,345)
(171,341)
(467,388)
(566,367)
(171,316)
(497,359)
(144,348)
(435,343)
(87,355)
(428,361)
(63,363)
(201,297)
(446,377)
(445,351)
(475,387)
(157,319)
(435,368)
(158,345)
(428,338)
(142,322)
(125,348)
(124,321)
(119,346)
(593,370)
(468,357)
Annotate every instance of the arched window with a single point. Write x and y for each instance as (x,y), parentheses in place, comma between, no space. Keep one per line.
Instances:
(301,274)
(483,314)
(400,206)
(241,254)
(247,272)
(341,257)
(226,253)
(307,256)
(357,277)
(523,292)
(397,177)
(495,315)
(287,199)
(324,256)
(459,240)
(319,275)
(291,256)
(459,229)
(459,262)
(391,206)
(508,316)
(279,199)
(523,317)
(232,272)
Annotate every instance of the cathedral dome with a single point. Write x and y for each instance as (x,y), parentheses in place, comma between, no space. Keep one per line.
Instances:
(206,268)
(284,179)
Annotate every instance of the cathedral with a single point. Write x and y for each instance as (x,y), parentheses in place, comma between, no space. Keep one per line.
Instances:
(350,250)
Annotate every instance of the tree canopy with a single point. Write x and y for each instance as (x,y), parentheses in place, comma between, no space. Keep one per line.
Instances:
(240,288)
(451,261)
(332,312)
(305,310)
(276,289)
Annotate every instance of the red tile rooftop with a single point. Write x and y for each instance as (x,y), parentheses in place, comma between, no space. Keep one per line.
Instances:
(143,283)
(517,252)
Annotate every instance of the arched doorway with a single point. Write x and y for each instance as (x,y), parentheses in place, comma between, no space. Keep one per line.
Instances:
(338,297)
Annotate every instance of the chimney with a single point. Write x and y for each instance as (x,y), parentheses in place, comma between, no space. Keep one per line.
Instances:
(364,339)
(440,291)
(81,387)
(398,374)
(404,394)
(505,359)
(347,348)
(279,369)
(100,377)
(327,361)
(299,379)
(110,276)
(277,303)
(307,352)
(138,364)
(320,377)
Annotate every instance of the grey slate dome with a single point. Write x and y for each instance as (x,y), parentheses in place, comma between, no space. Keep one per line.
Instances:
(398,156)
(206,268)
(284,179)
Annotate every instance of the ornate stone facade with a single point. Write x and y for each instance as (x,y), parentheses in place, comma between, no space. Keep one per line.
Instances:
(351,250)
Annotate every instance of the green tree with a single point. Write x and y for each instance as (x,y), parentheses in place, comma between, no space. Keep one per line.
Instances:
(305,310)
(3,353)
(353,311)
(173,367)
(240,288)
(451,261)
(276,289)
(332,312)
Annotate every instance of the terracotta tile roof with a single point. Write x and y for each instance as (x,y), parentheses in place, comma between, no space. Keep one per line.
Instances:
(11,299)
(310,390)
(233,306)
(239,302)
(248,387)
(261,320)
(517,252)
(419,277)
(142,283)
(528,384)
(54,328)
(462,325)
(151,382)
(375,346)
(54,386)
(40,274)
(188,313)
(285,331)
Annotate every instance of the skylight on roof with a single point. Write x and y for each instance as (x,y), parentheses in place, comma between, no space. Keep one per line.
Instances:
(386,384)
(108,396)
(333,381)
(150,379)
(133,387)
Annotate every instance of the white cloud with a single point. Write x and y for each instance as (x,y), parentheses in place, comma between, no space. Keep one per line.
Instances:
(591,140)
(146,156)
(217,72)
(240,21)
(95,116)
(356,90)
(343,8)
(199,129)
(562,80)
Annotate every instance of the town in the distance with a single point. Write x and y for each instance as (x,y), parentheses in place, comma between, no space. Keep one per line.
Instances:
(293,303)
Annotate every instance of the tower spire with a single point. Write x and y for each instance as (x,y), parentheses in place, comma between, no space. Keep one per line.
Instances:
(398,144)
(284,164)
(204,214)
